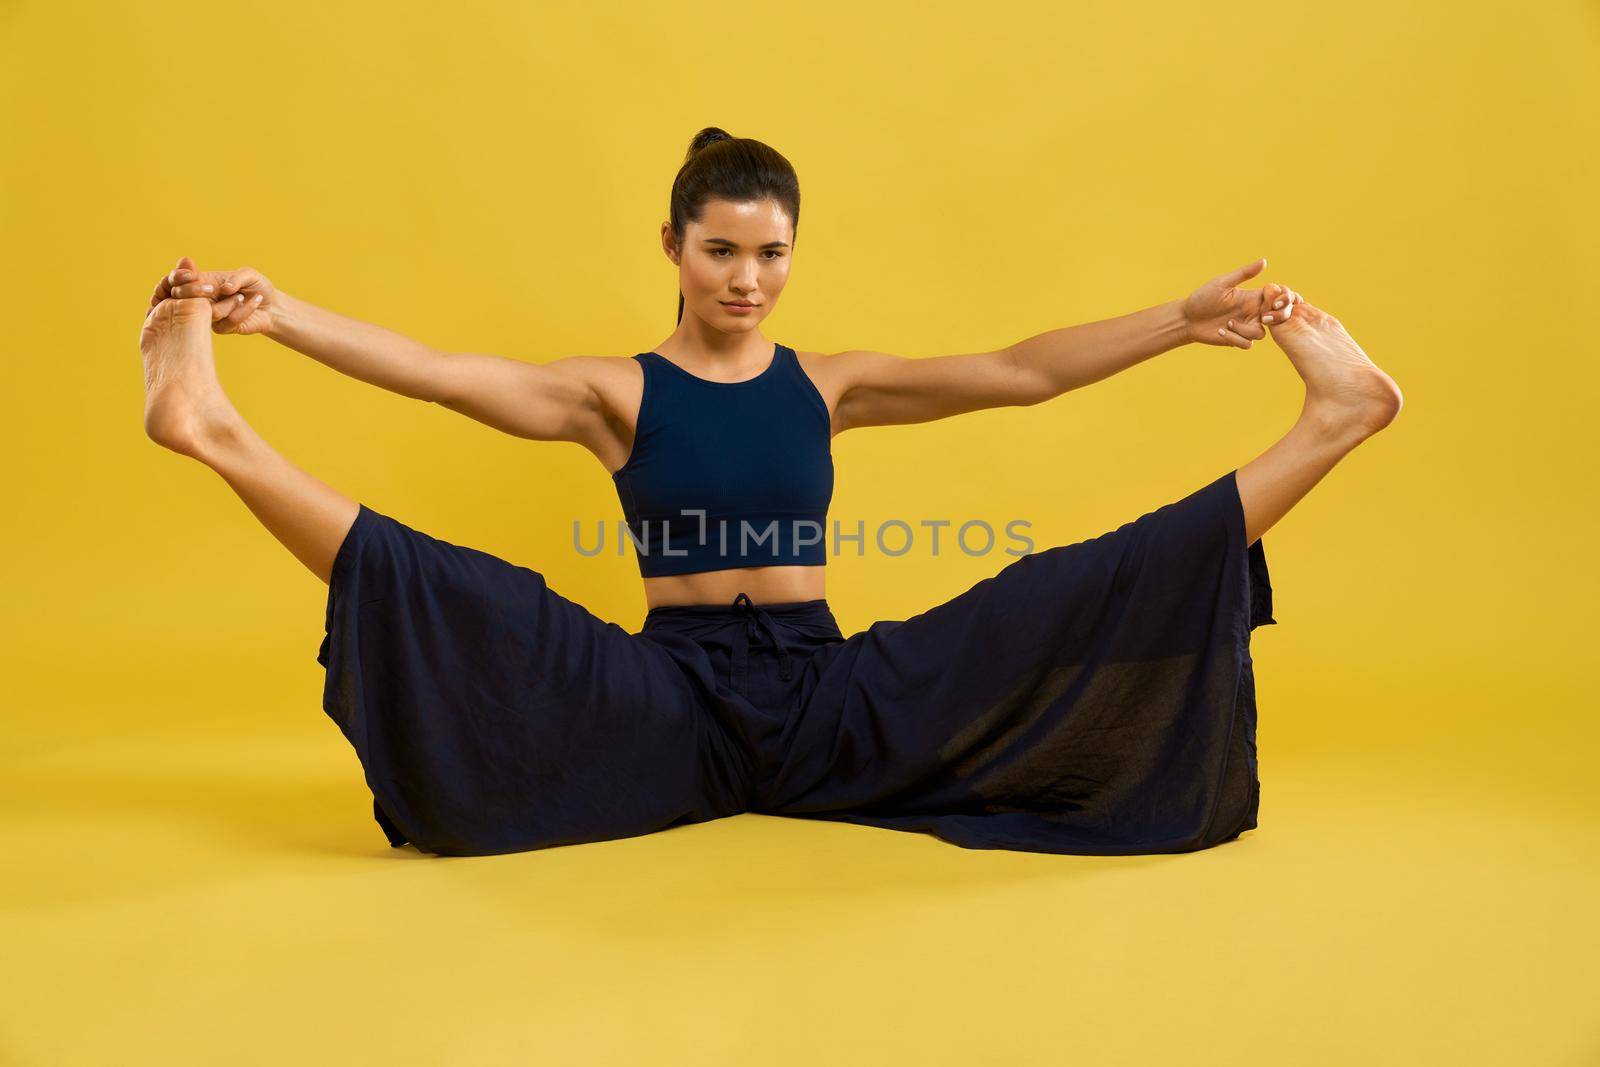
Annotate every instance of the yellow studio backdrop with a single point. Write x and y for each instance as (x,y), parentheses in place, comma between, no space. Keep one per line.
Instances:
(192,870)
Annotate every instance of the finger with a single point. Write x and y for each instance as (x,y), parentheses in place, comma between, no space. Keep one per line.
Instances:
(228,313)
(194,283)
(1228,337)
(1249,270)
(1251,330)
(243,308)
(1269,295)
(183,272)
(199,284)
(232,281)
(221,308)
(168,280)
(175,277)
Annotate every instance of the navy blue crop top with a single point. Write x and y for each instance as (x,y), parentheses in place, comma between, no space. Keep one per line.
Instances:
(728,474)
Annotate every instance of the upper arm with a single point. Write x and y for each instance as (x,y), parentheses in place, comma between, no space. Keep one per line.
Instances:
(878,389)
(555,401)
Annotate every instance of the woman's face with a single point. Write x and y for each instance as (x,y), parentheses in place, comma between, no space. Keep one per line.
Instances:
(737,252)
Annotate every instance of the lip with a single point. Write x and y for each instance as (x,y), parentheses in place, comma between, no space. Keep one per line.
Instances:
(737,304)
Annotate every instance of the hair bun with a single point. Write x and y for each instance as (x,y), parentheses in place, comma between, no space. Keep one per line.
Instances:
(707,137)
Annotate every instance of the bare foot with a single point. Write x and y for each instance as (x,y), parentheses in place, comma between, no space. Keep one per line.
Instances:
(1345,390)
(184,405)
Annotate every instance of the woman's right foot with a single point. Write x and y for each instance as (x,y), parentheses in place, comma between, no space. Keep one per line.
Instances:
(184,405)
(1346,392)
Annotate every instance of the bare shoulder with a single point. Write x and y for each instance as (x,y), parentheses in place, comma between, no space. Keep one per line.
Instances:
(617,384)
(593,370)
(618,381)
(841,369)
(836,374)
(833,373)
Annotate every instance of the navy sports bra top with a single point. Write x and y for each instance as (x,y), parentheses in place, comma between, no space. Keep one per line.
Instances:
(728,474)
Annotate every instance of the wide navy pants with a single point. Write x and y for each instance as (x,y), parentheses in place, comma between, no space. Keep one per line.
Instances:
(1091,698)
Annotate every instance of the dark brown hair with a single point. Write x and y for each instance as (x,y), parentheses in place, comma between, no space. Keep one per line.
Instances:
(720,166)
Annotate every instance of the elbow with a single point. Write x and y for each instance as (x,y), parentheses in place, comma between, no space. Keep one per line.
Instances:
(434,380)
(1027,385)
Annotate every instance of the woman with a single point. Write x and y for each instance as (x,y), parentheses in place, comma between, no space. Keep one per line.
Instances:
(1092,698)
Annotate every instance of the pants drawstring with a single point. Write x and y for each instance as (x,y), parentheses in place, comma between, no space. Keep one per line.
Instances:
(757,622)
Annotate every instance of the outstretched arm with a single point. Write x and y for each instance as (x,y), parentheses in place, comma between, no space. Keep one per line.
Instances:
(543,402)
(555,401)
(1054,363)
(244,301)
(877,389)
(360,349)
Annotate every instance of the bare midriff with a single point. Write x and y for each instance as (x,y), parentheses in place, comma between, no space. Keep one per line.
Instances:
(764,585)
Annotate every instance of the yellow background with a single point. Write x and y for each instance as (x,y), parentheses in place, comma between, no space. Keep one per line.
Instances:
(192,873)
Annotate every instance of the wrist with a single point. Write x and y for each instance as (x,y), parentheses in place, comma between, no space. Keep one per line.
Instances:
(281,316)
(1172,325)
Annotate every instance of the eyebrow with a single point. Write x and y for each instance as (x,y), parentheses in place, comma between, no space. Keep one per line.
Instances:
(735,244)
